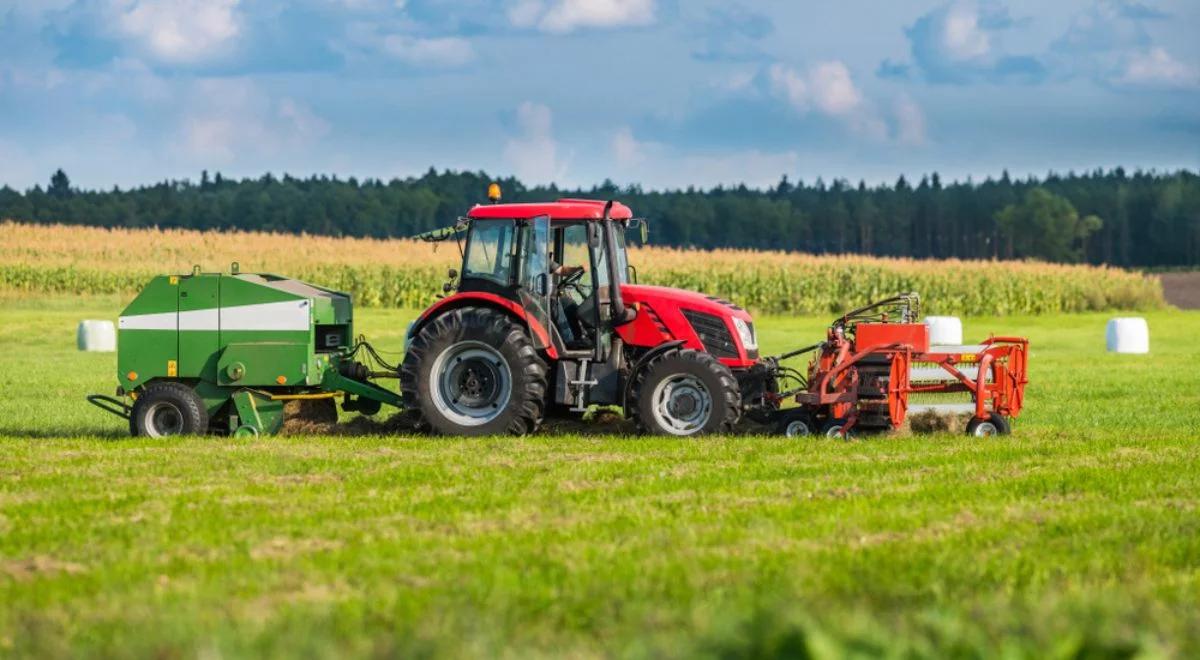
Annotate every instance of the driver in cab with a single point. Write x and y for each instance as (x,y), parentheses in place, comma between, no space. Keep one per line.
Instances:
(562,299)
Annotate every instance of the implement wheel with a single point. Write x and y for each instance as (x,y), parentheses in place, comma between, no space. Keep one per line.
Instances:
(986,428)
(166,409)
(473,371)
(795,424)
(686,393)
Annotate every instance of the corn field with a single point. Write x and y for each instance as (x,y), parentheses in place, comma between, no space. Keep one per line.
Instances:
(405,273)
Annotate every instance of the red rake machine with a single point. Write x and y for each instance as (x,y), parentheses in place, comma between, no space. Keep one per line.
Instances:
(876,358)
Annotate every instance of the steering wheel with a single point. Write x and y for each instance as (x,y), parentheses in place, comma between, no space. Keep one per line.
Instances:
(572,280)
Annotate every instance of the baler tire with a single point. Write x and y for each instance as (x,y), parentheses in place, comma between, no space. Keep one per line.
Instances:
(487,330)
(171,399)
(701,369)
(975,427)
(834,429)
(795,423)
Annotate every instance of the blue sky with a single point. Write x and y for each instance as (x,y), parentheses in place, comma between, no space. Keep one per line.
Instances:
(664,93)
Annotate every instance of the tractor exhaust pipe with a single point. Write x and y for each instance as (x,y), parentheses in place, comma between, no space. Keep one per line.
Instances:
(620,313)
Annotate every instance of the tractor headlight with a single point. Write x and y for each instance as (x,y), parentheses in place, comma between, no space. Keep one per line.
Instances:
(746,334)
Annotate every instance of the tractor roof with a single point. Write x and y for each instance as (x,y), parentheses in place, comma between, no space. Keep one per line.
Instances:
(563,209)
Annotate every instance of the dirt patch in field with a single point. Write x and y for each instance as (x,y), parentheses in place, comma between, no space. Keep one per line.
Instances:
(39,566)
(1182,289)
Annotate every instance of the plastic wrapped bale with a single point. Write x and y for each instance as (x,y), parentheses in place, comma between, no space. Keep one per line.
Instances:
(1128,334)
(944,330)
(96,336)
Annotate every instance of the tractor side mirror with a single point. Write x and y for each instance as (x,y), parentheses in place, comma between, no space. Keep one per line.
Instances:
(594,236)
(447,287)
(452,273)
(541,284)
(640,225)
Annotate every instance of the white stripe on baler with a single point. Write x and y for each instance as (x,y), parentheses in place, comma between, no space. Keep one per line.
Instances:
(163,321)
(287,315)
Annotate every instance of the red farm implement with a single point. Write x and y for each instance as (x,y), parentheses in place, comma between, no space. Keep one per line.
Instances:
(876,358)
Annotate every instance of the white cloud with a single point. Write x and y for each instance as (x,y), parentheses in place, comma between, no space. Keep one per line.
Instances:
(627,151)
(447,52)
(1156,68)
(533,153)
(826,85)
(910,121)
(828,89)
(563,16)
(232,121)
(962,37)
(178,31)
(832,89)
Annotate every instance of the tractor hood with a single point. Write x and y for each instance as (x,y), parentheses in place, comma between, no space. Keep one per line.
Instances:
(703,323)
(662,296)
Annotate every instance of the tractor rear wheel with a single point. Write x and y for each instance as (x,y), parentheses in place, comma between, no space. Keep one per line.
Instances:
(686,393)
(168,408)
(473,371)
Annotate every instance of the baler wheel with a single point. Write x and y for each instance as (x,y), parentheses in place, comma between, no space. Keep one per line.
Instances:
(474,371)
(795,424)
(168,408)
(985,428)
(833,429)
(686,393)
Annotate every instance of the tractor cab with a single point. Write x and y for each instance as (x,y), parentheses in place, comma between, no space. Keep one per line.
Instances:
(543,317)
(563,263)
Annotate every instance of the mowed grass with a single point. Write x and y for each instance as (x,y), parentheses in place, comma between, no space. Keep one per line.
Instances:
(1077,536)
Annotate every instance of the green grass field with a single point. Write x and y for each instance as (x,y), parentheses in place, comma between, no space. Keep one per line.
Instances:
(1078,536)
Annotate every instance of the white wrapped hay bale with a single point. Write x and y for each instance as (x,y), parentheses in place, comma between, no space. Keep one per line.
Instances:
(1128,334)
(944,330)
(98,336)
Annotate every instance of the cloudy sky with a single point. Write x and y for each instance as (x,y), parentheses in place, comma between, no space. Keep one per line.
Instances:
(664,93)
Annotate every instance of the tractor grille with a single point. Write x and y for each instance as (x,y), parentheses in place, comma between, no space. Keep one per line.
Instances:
(713,334)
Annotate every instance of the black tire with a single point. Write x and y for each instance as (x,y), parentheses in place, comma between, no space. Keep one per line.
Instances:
(795,423)
(492,381)
(833,429)
(985,428)
(707,401)
(165,409)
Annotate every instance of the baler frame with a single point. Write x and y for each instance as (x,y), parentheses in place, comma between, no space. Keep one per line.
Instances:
(863,371)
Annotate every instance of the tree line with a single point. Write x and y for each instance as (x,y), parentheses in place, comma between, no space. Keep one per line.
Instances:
(1139,219)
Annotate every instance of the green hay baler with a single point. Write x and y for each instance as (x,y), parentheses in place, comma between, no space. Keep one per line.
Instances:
(225,352)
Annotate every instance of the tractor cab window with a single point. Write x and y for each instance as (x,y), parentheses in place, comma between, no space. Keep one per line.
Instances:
(575,253)
(622,257)
(490,251)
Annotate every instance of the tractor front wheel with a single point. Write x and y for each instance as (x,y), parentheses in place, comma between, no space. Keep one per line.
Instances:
(686,393)
(473,371)
(168,408)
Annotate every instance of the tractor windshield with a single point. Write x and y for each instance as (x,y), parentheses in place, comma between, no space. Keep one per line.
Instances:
(491,247)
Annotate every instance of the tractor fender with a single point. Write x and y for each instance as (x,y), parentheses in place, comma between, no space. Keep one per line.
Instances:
(642,362)
(485,299)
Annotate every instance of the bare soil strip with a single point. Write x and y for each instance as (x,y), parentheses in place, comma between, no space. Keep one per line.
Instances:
(1182,289)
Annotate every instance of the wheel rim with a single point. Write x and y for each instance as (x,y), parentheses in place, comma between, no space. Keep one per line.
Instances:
(682,405)
(163,419)
(985,430)
(834,431)
(797,428)
(474,383)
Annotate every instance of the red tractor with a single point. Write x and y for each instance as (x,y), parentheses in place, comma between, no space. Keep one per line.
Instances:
(546,318)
